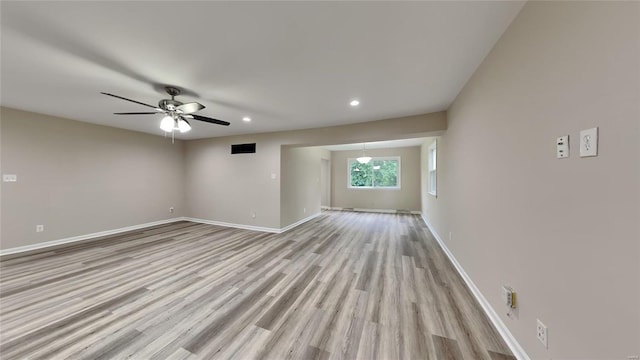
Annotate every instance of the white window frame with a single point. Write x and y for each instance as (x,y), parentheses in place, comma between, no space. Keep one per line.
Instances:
(399,182)
(432,169)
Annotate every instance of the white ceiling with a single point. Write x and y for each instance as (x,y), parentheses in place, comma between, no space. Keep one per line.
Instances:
(287,65)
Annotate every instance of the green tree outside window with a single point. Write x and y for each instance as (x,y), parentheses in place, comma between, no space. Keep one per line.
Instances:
(377,173)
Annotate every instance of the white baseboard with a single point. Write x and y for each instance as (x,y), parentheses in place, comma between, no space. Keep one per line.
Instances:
(289,227)
(384,211)
(511,341)
(251,227)
(232,225)
(72,239)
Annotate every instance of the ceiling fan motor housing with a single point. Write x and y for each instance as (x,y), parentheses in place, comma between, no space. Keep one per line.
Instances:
(169,104)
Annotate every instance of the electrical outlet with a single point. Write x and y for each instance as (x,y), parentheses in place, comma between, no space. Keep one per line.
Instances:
(542,332)
(253,215)
(171,209)
(39,228)
(589,142)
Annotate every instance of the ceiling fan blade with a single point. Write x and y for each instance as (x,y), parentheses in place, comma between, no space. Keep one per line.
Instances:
(190,108)
(137,113)
(123,98)
(210,120)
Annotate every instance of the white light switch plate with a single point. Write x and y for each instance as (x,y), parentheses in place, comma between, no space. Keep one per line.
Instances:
(589,142)
(562,147)
(9,178)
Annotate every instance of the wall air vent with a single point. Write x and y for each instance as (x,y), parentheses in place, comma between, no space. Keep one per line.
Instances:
(243,148)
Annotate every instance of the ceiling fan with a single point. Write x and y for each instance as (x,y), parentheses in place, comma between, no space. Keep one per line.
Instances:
(176,112)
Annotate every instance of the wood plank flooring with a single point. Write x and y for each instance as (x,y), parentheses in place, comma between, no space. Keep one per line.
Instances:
(342,286)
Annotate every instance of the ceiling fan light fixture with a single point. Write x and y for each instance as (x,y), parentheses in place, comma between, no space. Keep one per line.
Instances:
(364,159)
(167,124)
(183,125)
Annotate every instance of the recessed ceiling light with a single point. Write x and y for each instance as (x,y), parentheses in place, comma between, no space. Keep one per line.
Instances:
(354,103)
(246,119)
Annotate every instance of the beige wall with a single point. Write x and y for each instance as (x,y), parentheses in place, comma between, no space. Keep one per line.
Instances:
(405,198)
(389,129)
(563,233)
(230,188)
(77,178)
(300,193)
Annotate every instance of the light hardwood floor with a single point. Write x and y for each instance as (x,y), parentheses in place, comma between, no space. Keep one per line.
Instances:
(342,286)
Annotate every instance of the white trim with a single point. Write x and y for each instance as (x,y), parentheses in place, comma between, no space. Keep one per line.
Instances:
(72,239)
(289,227)
(385,211)
(511,341)
(232,225)
(251,227)
(432,168)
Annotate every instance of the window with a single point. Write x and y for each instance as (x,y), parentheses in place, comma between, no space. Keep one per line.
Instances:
(431,166)
(380,172)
